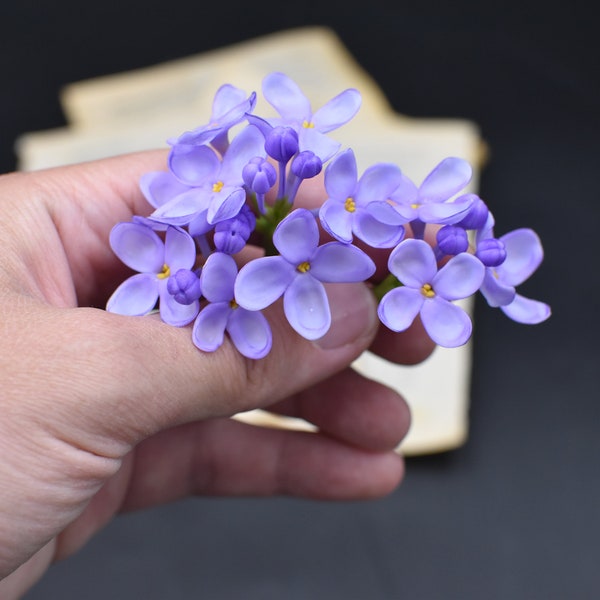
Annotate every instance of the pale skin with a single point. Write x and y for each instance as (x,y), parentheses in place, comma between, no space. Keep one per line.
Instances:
(101,413)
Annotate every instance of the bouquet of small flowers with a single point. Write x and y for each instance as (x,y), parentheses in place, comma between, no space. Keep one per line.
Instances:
(234,182)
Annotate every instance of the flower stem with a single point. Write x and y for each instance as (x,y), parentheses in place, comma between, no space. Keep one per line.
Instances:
(384,286)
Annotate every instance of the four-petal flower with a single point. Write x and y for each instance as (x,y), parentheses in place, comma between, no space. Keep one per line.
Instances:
(299,272)
(345,213)
(429,292)
(141,249)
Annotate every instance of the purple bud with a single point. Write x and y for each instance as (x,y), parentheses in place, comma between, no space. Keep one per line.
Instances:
(232,234)
(306,165)
(491,252)
(452,240)
(259,175)
(281,143)
(477,215)
(184,286)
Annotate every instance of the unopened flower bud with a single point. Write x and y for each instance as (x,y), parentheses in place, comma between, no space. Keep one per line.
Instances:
(491,252)
(259,175)
(281,143)
(477,215)
(452,240)
(306,165)
(184,286)
(232,234)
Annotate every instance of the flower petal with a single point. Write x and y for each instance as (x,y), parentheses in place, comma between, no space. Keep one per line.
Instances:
(261,281)
(399,307)
(378,182)
(135,297)
(192,165)
(247,144)
(375,233)
(406,193)
(449,177)
(526,311)
(174,313)
(460,277)
(159,187)
(217,278)
(524,254)
(391,213)
(228,104)
(297,236)
(250,332)
(318,143)
(336,262)
(336,220)
(181,209)
(495,291)
(209,327)
(337,111)
(413,263)
(445,213)
(225,204)
(447,324)
(286,97)
(138,246)
(180,249)
(341,176)
(306,307)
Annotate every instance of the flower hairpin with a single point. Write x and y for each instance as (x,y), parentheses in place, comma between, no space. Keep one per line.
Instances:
(235,181)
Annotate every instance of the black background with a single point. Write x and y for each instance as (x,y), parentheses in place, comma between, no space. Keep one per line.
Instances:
(512,514)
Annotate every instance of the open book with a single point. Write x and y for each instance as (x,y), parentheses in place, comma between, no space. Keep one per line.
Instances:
(141,109)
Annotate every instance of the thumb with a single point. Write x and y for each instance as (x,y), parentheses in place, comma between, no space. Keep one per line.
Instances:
(116,380)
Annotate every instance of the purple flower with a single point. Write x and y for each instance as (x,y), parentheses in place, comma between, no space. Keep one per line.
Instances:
(429,203)
(260,176)
(524,253)
(429,292)
(295,110)
(184,286)
(232,234)
(451,240)
(281,143)
(229,108)
(216,186)
(249,330)
(141,249)
(299,273)
(345,213)
(159,187)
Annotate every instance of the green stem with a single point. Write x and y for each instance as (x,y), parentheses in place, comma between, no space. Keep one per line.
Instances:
(383,287)
(267,223)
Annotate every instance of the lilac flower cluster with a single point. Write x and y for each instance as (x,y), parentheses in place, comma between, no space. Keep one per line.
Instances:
(234,182)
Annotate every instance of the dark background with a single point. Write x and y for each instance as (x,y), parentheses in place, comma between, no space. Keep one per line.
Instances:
(512,514)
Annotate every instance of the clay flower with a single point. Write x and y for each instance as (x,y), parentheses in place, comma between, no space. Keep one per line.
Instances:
(141,249)
(298,274)
(429,292)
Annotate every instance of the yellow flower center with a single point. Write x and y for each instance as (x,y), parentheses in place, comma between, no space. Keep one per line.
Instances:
(166,272)
(415,205)
(350,205)
(427,291)
(233,304)
(303,267)
(308,125)
(218,186)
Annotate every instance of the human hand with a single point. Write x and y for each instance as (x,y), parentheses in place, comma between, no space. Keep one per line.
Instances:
(102,413)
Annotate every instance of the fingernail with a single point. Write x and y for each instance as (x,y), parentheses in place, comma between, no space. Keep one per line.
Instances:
(353,314)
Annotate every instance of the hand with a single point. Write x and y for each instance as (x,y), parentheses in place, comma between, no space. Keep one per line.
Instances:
(102,413)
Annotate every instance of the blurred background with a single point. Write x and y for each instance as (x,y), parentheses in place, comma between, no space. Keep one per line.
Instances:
(513,513)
